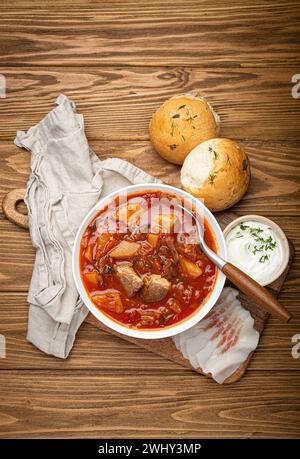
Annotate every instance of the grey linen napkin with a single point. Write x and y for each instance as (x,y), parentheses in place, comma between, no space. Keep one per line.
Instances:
(67,179)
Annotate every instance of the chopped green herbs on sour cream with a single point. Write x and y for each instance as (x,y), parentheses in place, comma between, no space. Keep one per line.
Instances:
(263,245)
(255,249)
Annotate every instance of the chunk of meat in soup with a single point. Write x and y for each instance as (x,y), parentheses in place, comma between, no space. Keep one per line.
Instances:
(155,288)
(129,279)
(169,258)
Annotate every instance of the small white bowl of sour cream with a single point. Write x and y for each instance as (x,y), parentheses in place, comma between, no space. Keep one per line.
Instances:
(257,246)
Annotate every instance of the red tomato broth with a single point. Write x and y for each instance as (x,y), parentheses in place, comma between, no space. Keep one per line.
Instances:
(188,292)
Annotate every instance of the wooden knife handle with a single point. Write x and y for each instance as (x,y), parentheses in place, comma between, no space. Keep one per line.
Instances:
(9,207)
(256,292)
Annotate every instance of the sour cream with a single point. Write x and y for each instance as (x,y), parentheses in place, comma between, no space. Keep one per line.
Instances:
(256,249)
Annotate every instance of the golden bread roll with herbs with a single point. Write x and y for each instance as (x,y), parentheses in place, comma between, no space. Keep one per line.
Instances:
(218,172)
(180,124)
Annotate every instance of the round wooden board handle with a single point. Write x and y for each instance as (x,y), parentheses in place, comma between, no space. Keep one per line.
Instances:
(256,292)
(9,207)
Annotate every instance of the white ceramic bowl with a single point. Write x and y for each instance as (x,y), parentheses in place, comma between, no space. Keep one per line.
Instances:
(279,233)
(180,326)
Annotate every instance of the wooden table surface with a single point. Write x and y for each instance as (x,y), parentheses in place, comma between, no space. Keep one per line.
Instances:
(119,61)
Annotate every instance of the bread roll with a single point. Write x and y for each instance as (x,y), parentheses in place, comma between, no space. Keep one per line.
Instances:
(217,171)
(180,124)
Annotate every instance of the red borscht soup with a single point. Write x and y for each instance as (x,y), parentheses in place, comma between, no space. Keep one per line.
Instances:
(140,264)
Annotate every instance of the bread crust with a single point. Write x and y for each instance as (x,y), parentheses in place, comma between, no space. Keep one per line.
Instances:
(228,179)
(180,124)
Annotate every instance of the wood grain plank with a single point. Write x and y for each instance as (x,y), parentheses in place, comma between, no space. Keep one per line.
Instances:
(172,32)
(121,7)
(95,349)
(117,103)
(109,388)
(170,405)
(274,187)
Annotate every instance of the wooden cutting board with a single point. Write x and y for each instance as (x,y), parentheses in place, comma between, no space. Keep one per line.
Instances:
(166,347)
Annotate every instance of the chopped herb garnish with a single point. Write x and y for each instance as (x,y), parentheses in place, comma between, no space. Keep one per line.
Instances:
(215,153)
(181,106)
(107,269)
(211,178)
(263,258)
(263,244)
(243,227)
(238,234)
(173,146)
(257,249)
(258,242)
(270,245)
(176,115)
(256,230)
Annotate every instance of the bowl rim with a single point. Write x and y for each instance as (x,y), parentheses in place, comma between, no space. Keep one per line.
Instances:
(280,233)
(187,323)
